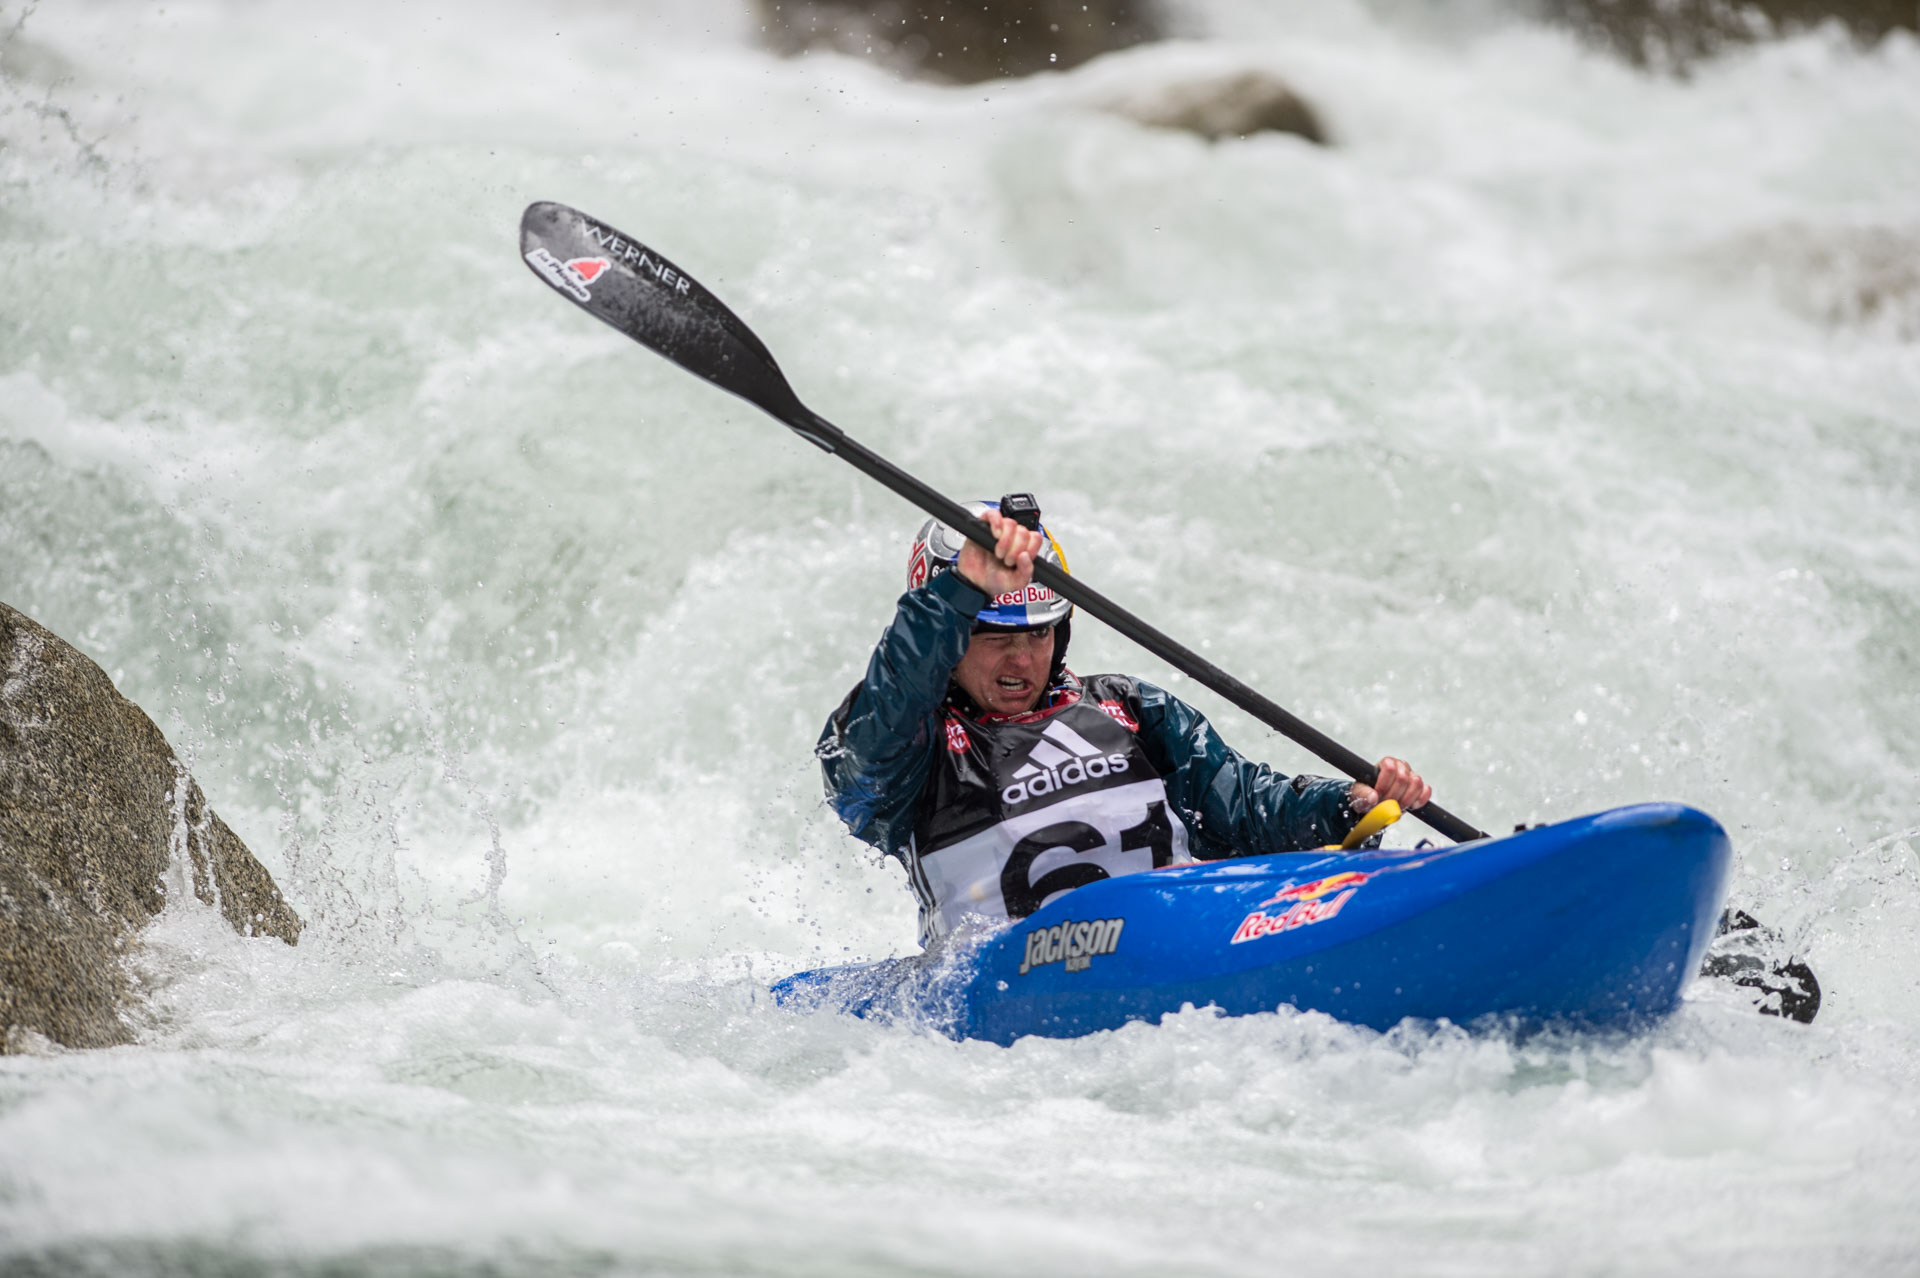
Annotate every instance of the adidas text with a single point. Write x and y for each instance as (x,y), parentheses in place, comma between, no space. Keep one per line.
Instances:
(1061,758)
(1055,779)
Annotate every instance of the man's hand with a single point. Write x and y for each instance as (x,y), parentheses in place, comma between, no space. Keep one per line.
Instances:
(1396,781)
(1009,566)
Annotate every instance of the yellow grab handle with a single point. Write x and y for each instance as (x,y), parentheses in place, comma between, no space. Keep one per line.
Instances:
(1378,818)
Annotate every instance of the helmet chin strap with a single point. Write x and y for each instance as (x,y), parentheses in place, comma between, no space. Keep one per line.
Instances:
(1024,510)
(1062,632)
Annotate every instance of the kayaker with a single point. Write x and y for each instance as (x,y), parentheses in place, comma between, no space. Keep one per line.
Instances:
(999,778)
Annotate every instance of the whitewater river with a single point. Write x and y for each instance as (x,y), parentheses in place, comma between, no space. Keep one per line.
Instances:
(1558,429)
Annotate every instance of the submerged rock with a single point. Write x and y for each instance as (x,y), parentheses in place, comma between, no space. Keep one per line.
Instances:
(962,42)
(1841,277)
(1232,105)
(94,809)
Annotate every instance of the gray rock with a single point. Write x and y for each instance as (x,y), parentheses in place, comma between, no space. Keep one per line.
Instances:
(94,807)
(962,41)
(1233,105)
(1674,34)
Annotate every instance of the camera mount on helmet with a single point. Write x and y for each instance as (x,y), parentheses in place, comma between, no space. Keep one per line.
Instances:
(1022,509)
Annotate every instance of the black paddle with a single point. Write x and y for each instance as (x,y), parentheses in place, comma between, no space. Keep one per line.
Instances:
(615,278)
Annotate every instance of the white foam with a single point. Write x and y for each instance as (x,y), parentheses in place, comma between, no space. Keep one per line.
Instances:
(1492,437)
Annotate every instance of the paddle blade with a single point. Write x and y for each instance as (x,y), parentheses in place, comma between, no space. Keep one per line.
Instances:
(615,278)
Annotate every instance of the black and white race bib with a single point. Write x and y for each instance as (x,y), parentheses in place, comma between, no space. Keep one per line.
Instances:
(1018,811)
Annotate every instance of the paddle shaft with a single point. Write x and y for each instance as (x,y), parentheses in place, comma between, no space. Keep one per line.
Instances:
(823,434)
(652,300)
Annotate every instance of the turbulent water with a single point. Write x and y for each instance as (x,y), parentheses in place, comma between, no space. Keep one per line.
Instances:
(1557,428)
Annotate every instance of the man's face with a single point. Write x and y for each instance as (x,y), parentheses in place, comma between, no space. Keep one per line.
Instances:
(1006,671)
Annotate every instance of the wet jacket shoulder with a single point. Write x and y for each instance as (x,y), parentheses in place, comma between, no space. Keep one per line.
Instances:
(1230,805)
(878,745)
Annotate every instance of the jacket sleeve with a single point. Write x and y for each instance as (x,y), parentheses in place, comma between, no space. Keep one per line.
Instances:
(1231,806)
(878,746)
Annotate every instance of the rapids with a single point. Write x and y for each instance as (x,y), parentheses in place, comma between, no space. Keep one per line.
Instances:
(1555,429)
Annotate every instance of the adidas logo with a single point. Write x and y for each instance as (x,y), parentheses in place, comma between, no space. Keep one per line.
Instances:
(1061,758)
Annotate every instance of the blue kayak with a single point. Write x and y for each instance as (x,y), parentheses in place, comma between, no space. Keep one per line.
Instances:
(1597,921)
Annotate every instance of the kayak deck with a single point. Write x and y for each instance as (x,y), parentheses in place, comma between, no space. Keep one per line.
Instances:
(1598,921)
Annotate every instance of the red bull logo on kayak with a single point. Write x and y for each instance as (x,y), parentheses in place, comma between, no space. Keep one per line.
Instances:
(1071,943)
(1306,904)
(574,277)
(1317,888)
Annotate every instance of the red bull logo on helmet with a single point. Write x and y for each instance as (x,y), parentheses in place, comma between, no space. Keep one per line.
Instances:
(1015,598)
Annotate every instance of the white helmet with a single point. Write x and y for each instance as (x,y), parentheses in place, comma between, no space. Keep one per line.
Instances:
(937,549)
